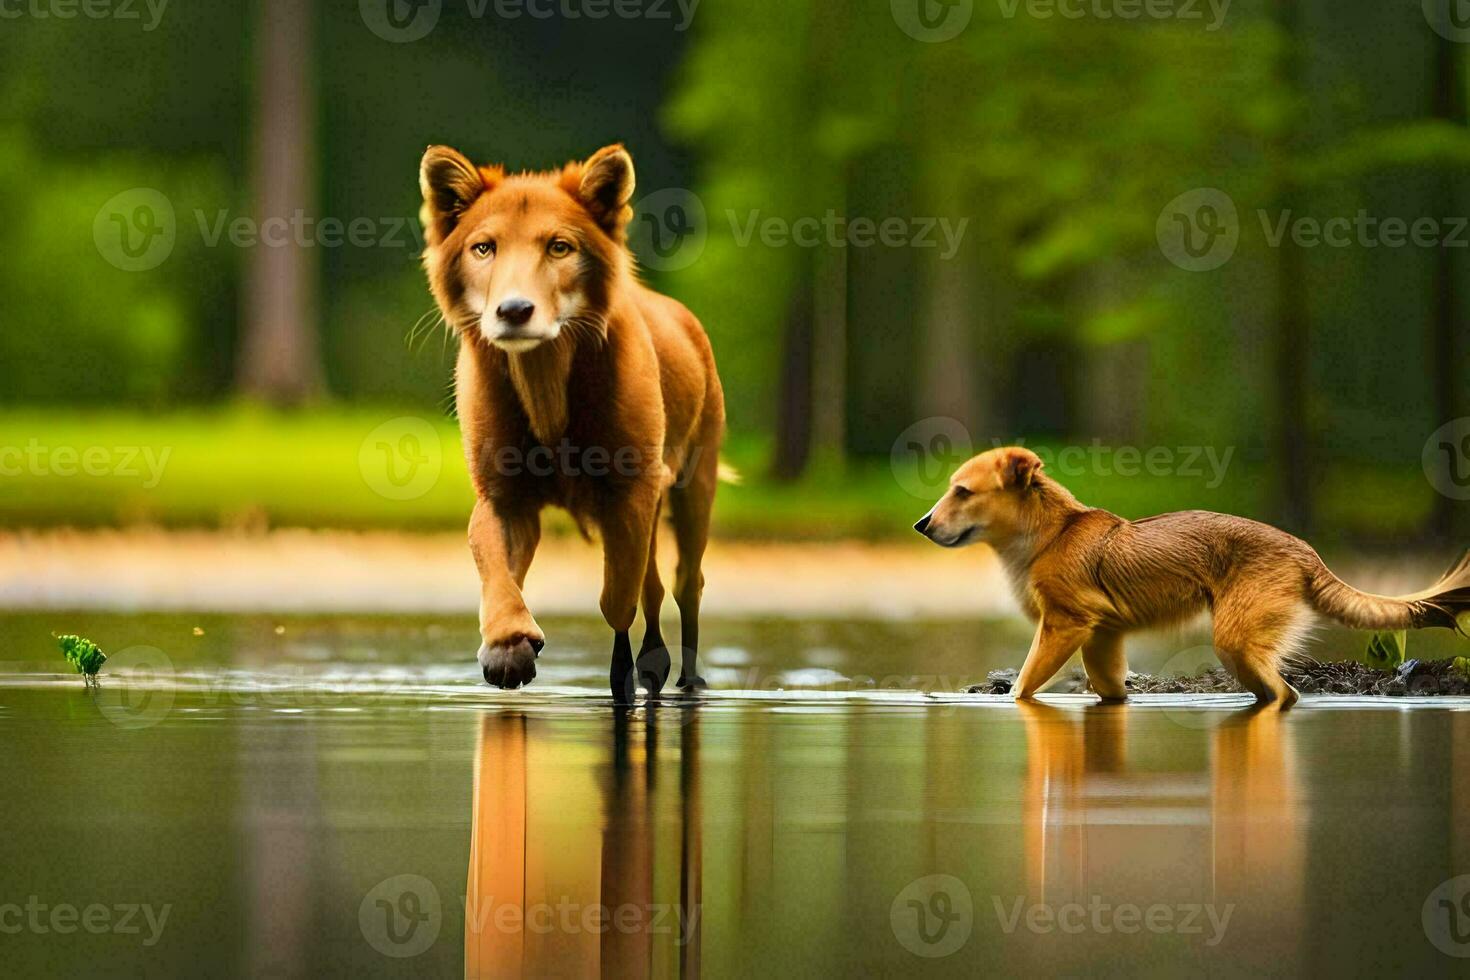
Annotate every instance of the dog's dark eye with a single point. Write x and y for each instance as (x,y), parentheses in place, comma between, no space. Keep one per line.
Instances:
(960,493)
(559,249)
(483,249)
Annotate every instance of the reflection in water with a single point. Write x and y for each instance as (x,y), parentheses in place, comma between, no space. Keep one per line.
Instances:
(775,837)
(545,896)
(1216,849)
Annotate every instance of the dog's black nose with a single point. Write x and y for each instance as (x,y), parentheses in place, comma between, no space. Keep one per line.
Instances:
(515,311)
(922,524)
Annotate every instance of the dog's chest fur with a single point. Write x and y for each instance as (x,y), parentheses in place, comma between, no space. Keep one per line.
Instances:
(540,383)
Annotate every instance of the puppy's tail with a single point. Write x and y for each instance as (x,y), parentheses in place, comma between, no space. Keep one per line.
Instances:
(1446,603)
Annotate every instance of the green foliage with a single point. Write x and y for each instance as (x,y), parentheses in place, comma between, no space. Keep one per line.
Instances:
(1461,666)
(82,654)
(86,331)
(1386,651)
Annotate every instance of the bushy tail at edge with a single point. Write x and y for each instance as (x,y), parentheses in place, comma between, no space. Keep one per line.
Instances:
(1445,604)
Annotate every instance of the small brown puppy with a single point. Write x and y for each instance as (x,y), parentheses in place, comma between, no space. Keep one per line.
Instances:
(576,386)
(1088,577)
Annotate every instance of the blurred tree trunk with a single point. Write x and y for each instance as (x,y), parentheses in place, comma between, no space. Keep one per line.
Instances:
(1292,357)
(1448,520)
(793,425)
(1115,372)
(947,301)
(829,342)
(279,351)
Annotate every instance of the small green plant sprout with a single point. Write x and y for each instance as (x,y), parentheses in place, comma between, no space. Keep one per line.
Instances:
(84,655)
(1386,650)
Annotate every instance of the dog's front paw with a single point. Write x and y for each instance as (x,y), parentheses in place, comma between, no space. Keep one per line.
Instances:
(511,663)
(694,683)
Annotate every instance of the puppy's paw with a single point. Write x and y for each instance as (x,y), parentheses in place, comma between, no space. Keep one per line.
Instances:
(510,663)
(695,683)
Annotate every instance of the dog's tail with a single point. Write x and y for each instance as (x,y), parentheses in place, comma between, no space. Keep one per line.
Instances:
(1446,603)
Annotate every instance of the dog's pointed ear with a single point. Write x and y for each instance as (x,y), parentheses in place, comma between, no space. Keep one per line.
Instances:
(1018,468)
(607,187)
(450,184)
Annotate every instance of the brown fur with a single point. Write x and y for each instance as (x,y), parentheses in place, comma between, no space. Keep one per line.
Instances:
(1088,577)
(610,385)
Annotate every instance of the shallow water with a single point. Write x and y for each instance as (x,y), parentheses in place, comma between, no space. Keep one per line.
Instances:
(341,797)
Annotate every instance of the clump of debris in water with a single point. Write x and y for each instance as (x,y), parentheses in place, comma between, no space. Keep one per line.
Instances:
(1412,678)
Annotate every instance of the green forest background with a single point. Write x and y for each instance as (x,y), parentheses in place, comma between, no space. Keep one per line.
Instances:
(1060,321)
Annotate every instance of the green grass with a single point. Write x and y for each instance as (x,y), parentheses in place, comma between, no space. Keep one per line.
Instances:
(245,467)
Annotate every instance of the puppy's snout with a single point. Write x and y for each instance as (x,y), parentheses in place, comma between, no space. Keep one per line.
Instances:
(922,525)
(515,311)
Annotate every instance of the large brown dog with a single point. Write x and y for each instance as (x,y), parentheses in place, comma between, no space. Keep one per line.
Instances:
(1087,577)
(576,386)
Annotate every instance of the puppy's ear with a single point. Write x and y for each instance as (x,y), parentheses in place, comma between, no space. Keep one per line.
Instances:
(450,184)
(1018,468)
(607,187)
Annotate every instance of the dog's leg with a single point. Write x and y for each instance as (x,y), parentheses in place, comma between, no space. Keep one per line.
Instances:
(1056,640)
(627,529)
(1253,631)
(1106,665)
(503,544)
(653,657)
(691,505)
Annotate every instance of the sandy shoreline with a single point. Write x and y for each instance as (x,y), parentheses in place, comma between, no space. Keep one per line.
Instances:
(333,571)
(330,571)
